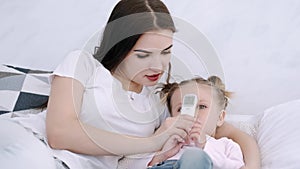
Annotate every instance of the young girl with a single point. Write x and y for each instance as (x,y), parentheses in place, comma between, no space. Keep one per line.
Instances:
(102,106)
(210,114)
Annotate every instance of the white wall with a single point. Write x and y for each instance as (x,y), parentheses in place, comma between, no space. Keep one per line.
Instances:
(257,41)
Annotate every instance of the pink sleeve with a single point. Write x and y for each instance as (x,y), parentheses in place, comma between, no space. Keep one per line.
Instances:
(224,153)
(233,154)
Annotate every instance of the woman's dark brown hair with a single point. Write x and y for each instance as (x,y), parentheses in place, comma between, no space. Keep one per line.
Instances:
(127,22)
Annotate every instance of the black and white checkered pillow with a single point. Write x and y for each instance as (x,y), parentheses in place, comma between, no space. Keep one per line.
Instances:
(22,89)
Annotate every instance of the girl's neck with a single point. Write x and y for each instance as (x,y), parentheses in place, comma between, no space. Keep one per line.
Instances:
(128,85)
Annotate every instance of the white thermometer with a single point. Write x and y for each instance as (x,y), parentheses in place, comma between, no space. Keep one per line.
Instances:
(189,104)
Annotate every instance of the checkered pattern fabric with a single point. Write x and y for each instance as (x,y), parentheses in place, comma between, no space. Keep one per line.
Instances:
(22,89)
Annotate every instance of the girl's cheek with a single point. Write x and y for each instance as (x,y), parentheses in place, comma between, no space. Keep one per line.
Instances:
(175,114)
(201,118)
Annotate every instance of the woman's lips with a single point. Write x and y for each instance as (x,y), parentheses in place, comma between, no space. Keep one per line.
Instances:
(153,77)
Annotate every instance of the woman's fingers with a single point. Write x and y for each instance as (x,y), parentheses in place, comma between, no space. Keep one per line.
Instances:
(180,125)
(183,122)
(181,133)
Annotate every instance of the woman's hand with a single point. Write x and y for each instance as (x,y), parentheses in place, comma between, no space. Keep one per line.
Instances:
(180,125)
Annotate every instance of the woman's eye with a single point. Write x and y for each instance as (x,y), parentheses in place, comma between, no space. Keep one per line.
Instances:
(165,52)
(179,109)
(142,56)
(201,106)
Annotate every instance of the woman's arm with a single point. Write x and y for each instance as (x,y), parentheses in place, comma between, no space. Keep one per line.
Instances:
(65,131)
(63,128)
(247,143)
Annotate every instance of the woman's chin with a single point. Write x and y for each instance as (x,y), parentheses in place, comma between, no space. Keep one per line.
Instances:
(150,83)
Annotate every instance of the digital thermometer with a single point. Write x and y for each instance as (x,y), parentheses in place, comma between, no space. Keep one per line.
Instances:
(189,104)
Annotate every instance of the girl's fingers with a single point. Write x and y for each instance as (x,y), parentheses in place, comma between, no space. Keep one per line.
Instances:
(194,136)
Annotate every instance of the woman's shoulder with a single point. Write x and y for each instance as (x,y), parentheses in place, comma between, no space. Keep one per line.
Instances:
(81,57)
(80,65)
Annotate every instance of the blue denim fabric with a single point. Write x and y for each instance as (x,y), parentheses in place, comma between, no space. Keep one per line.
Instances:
(190,159)
(168,164)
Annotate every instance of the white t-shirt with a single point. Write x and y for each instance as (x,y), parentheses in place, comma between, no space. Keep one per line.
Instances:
(224,153)
(105,105)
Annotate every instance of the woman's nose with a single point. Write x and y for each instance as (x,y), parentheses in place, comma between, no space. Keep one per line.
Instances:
(157,63)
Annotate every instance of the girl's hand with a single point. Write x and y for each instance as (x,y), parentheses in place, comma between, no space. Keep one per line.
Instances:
(197,136)
(170,148)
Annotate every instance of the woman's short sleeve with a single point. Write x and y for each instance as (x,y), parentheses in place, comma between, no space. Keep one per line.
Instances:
(78,65)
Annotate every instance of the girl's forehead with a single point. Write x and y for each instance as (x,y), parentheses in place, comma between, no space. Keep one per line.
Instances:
(201,90)
(194,86)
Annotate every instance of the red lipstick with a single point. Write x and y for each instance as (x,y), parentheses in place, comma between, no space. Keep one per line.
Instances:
(153,77)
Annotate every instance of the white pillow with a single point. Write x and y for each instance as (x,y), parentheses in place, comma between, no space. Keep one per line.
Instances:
(278,136)
(246,123)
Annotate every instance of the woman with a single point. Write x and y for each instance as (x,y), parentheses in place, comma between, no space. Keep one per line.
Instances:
(88,103)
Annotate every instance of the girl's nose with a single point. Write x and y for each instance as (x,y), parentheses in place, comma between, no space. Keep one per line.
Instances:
(199,117)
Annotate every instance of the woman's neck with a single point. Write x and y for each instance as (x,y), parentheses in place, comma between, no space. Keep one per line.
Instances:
(128,85)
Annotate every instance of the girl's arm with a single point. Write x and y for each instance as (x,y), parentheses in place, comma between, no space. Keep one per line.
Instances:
(65,130)
(247,143)
(170,148)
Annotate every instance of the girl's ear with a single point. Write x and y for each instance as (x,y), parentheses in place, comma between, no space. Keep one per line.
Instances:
(221,118)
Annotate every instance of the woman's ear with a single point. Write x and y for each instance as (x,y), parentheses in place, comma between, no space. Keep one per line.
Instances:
(221,118)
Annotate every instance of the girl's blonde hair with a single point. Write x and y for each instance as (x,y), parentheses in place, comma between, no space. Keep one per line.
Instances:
(167,90)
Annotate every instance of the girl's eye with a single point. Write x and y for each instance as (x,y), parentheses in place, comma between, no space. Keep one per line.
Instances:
(142,56)
(201,106)
(166,52)
(179,109)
